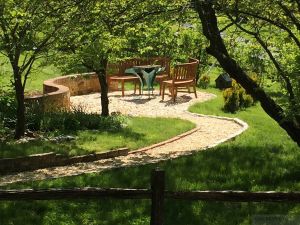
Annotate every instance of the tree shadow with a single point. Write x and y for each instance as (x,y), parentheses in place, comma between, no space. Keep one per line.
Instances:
(259,168)
(138,101)
(179,100)
(64,147)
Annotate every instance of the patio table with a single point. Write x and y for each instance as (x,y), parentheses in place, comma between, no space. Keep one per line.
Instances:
(147,74)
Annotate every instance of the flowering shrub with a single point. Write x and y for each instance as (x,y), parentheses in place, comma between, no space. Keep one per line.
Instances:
(236,98)
(204,81)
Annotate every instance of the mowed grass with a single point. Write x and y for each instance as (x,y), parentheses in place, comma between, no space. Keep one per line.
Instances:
(36,78)
(140,132)
(263,158)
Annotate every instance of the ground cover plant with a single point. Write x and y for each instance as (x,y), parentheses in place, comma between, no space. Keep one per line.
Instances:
(139,132)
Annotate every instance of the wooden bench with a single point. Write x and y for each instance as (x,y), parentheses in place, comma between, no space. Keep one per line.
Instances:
(116,72)
(184,76)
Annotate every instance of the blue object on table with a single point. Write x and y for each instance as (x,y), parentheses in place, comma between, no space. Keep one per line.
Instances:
(147,74)
(133,71)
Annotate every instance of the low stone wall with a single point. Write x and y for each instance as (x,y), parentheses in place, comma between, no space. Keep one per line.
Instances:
(57,91)
(78,84)
(40,161)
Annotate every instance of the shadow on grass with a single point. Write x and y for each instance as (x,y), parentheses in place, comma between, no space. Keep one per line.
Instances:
(262,168)
(10,150)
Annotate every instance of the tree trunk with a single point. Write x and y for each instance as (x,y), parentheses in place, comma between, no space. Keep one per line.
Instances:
(104,96)
(218,49)
(104,90)
(20,124)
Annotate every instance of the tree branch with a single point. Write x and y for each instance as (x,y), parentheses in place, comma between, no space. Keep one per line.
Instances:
(289,14)
(275,23)
(281,72)
(217,48)
(226,27)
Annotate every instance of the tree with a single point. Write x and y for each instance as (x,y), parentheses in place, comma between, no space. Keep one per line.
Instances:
(28,29)
(102,35)
(207,11)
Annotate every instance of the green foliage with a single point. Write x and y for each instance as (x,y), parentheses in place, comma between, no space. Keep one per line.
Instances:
(266,41)
(8,108)
(135,133)
(34,116)
(231,100)
(253,161)
(293,110)
(178,38)
(236,98)
(37,120)
(204,81)
(74,121)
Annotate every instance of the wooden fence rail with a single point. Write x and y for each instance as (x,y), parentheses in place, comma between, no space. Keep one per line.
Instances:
(73,194)
(157,194)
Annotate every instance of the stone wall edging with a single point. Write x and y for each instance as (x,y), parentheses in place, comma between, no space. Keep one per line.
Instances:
(51,159)
(165,142)
(242,123)
(57,91)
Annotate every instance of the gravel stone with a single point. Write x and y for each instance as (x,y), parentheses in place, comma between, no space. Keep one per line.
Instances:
(210,131)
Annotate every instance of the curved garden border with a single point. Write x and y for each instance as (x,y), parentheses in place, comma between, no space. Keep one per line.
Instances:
(57,91)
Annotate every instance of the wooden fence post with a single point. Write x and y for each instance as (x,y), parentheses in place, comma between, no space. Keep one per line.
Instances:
(158,188)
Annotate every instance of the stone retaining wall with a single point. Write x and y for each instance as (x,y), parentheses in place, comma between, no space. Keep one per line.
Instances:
(40,161)
(57,91)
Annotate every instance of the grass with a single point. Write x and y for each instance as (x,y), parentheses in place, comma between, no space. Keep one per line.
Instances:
(139,133)
(39,75)
(262,158)
(35,80)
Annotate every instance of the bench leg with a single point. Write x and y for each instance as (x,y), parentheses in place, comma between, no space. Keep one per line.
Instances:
(160,87)
(163,91)
(195,91)
(122,88)
(173,93)
(140,88)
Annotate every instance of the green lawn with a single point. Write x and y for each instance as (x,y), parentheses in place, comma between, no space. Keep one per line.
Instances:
(35,80)
(262,158)
(140,132)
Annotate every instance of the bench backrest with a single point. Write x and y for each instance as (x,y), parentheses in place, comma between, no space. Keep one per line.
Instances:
(120,67)
(186,71)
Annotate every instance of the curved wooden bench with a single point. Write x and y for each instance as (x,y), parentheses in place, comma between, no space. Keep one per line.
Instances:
(116,72)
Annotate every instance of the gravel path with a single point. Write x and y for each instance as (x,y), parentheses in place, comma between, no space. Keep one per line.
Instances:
(210,131)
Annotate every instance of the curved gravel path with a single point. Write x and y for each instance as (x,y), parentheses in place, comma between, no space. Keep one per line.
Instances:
(209,131)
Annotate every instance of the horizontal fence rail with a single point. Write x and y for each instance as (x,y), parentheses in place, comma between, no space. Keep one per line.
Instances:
(72,194)
(157,194)
(118,193)
(235,196)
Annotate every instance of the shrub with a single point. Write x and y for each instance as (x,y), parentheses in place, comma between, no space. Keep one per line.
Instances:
(73,121)
(204,81)
(236,98)
(34,115)
(231,100)
(246,101)
(8,107)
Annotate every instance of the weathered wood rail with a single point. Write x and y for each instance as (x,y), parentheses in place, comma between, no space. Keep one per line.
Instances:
(157,194)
